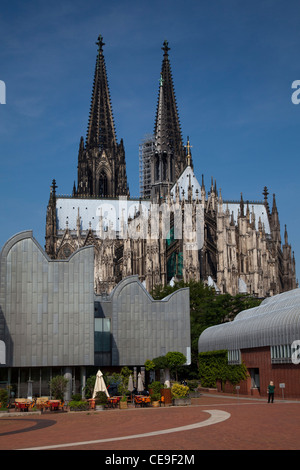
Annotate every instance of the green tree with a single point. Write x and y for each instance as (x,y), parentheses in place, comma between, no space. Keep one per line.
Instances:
(90,385)
(58,386)
(149,365)
(160,362)
(207,308)
(174,360)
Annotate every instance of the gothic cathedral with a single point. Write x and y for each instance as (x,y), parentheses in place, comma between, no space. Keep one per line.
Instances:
(177,229)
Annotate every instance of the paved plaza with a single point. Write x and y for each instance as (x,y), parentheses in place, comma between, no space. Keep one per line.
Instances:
(212,422)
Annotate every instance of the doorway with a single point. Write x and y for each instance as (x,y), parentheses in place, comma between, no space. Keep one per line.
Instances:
(254,375)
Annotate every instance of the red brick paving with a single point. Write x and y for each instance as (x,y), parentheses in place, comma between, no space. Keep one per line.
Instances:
(253,424)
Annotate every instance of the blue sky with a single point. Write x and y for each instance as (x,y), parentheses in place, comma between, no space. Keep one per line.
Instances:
(233,64)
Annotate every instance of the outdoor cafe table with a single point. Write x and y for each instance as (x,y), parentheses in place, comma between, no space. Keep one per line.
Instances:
(23,404)
(142,400)
(54,405)
(113,402)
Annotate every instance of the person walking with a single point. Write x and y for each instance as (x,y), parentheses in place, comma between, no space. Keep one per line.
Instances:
(271,388)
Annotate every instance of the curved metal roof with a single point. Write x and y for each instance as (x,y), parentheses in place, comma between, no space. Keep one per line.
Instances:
(275,321)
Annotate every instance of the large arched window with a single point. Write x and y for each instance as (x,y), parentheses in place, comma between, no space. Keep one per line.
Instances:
(103,184)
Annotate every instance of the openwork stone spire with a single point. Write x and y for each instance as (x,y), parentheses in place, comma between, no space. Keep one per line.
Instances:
(101,160)
(167,129)
(101,129)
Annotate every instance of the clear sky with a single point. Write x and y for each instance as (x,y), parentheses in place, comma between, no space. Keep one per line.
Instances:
(233,64)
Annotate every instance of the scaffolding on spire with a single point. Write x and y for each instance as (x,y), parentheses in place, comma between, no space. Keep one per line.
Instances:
(146,148)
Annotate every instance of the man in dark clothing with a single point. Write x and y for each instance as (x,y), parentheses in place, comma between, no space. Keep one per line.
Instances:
(271,388)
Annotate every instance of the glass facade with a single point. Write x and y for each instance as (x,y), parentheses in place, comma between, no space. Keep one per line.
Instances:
(102,335)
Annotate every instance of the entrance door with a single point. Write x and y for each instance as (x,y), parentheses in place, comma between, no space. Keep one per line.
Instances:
(254,374)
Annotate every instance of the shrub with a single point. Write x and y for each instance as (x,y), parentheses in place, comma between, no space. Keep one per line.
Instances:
(3,398)
(78,405)
(76,397)
(100,398)
(156,386)
(155,396)
(179,391)
(192,384)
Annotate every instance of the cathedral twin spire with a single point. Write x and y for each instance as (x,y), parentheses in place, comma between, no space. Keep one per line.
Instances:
(169,157)
(167,129)
(101,160)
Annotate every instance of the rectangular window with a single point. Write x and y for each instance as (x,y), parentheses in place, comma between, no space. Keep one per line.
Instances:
(102,335)
(234,356)
(281,353)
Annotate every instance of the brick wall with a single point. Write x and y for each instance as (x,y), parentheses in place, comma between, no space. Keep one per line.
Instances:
(260,358)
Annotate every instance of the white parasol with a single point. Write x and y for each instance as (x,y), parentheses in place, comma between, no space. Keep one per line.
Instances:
(140,386)
(100,384)
(130,383)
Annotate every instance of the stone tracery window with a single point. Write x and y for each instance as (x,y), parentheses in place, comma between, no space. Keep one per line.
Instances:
(103,185)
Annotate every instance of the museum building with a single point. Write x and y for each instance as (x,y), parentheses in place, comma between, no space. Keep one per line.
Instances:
(266,339)
(52,322)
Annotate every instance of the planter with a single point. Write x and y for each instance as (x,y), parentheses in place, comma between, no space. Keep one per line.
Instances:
(92,403)
(100,407)
(181,401)
(155,404)
(166,393)
(123,405)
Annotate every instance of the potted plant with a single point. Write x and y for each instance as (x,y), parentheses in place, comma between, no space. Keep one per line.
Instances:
(180,395)
(100,400)
(123,402)
(155,398)
(155,392)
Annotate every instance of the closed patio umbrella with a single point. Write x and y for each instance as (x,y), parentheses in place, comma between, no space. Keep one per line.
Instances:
(140,386)
(100,384)
(130,383)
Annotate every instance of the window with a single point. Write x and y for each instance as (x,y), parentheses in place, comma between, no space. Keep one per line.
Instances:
(234,356)
(164,168)
(102,184)
(281,353)
(102,341)
(2,353)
